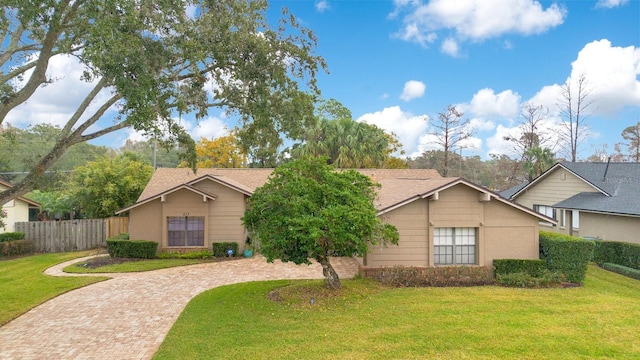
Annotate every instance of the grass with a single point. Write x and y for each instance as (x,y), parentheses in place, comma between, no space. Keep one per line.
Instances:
(23,285)
(367,321)
(134,265)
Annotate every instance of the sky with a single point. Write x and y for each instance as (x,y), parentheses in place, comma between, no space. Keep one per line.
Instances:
(397,64)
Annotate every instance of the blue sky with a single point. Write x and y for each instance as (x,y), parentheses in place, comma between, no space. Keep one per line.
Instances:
(398,63)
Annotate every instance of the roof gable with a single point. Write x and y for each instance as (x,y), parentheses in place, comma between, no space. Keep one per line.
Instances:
(162,195)
(616,187)
(398,186)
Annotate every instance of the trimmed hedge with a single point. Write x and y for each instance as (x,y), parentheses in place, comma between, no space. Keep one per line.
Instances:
(526,280)
(140,249)
(616,252)
(16,247)
(11,236)
(220,249)
(566,254)
(405,276)
(535,268)
(622,270)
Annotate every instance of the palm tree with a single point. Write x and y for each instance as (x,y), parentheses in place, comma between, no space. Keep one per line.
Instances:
(538,161)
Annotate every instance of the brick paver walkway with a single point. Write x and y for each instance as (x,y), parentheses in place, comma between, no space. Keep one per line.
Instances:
(128,316)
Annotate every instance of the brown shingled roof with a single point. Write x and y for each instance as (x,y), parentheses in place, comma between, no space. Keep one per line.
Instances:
(398,186)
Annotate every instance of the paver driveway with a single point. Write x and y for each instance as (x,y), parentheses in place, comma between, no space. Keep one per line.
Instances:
(128,316)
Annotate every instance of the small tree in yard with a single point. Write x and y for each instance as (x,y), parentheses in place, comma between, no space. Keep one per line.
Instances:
(309,210)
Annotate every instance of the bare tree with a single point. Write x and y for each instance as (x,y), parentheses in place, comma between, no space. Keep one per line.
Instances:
(574,104)
(450,130)
(530,135)
(632,135)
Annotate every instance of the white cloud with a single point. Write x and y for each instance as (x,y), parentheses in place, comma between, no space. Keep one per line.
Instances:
(612,75)
(56,102)
(608,4)
(211,127)
(406,126)
(412,90)
(474,20)
(486,103)
(322,6)
(450,47)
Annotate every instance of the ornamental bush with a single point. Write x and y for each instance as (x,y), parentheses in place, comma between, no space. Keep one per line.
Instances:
(616,252)
(534,268)
(220,249)
(11,236)
(406,276)
(566,254)
(622,270)
(140,249)
(16,247)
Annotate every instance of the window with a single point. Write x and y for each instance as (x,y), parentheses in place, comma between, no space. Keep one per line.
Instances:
(545,210)
(561,220)
(453,246)
(185,230)
(575,219)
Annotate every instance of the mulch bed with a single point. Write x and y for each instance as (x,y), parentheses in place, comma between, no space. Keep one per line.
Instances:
(108,260)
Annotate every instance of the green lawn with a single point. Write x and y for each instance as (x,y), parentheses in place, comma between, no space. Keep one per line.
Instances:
(366,321)
(23,285)
(135,266)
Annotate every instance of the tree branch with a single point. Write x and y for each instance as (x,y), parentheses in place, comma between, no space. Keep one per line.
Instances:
(83,106)
(39,75)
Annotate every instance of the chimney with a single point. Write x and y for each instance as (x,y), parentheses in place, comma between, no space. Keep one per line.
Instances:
(604,177)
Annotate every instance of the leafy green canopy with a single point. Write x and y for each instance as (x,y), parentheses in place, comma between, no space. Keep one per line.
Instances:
(104,186)
(154,60)
(309,210)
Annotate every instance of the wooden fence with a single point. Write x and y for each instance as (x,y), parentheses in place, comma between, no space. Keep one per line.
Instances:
(72,235)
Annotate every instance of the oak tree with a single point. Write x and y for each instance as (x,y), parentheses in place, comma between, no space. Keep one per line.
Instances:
(309,210)
(152,62)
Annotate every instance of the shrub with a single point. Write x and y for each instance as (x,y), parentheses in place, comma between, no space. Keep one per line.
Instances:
(622,270)
(204,254)
(16,247)
(402,276)
(616,252)
(526,280)
(534,268)
(140,249)
(220,249)
(566,254)
(11,236)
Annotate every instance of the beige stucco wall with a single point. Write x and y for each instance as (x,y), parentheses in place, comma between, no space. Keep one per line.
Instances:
(502,230)
(224,223)
(412,248)
(222,216)
(17,211)
(609,227)
(145,222)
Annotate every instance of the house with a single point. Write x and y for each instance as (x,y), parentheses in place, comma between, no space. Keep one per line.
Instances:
(441,221)
(588,199)
(17,209)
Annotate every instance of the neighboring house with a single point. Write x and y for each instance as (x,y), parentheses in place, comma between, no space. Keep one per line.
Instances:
(441,221)
(593,200)
(17,210)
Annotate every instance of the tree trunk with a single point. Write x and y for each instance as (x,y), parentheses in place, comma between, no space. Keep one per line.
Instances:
(331,279)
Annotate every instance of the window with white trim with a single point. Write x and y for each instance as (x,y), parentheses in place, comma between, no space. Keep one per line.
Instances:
(545,210)
(185,230)
(455,246)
